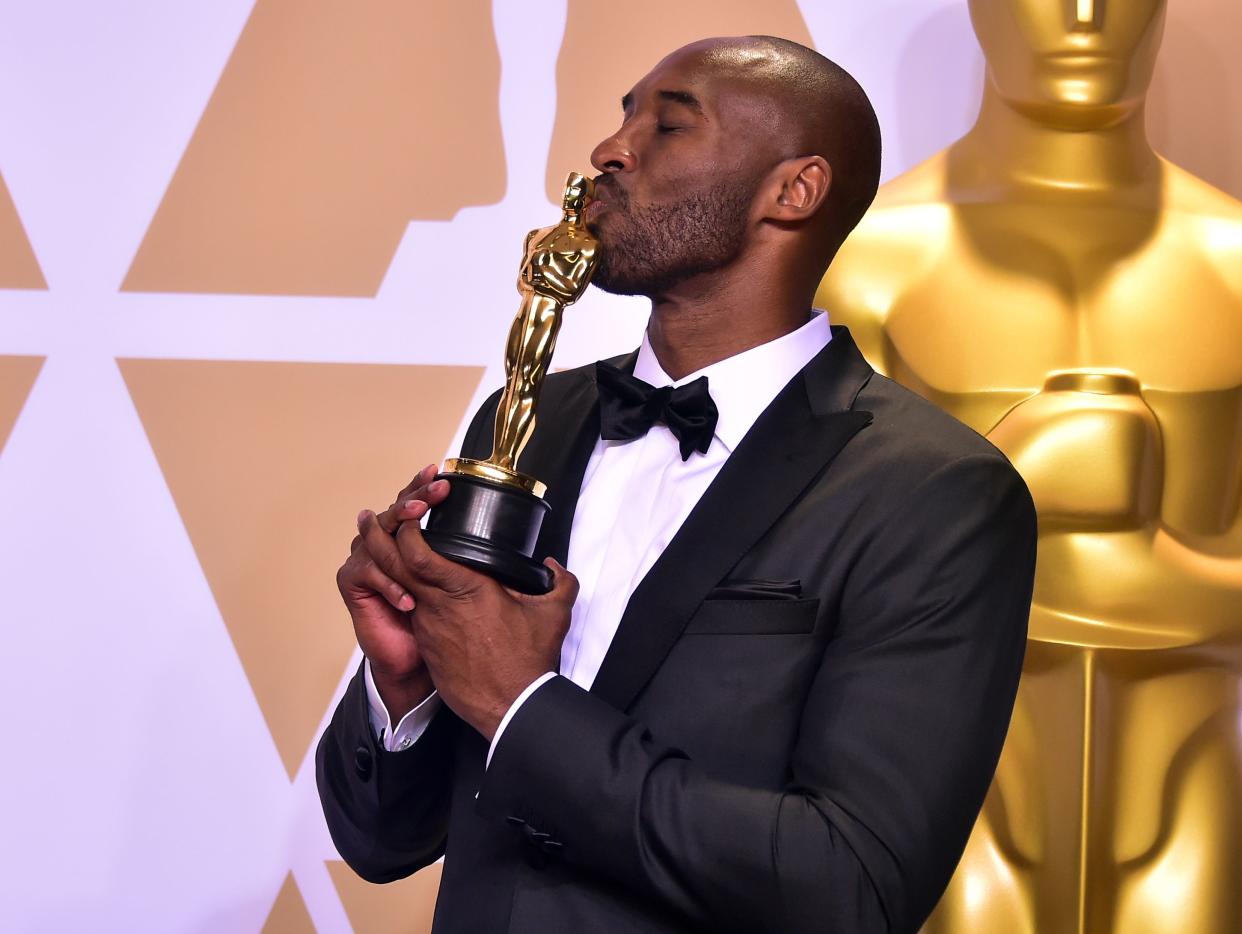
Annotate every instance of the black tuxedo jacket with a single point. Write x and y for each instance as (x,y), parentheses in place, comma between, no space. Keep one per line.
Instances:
(797,721)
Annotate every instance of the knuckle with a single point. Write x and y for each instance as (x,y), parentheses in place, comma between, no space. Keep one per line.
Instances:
(387,564)
(419,560)
(457,585)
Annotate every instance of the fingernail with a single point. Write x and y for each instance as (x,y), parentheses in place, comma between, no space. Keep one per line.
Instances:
(439,486)
(406,602)
(361,516)
(410,503)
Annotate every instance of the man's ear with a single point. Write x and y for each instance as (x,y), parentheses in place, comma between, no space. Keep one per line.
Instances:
(802,187)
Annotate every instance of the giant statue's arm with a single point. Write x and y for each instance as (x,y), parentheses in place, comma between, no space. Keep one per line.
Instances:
(1221,240)
(1111,572)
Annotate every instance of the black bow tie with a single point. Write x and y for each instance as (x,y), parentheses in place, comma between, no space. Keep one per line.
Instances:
(628,408)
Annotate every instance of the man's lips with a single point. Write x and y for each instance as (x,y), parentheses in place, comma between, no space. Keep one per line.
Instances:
(594,209)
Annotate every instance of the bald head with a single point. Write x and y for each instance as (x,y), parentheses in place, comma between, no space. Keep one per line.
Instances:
(816,108)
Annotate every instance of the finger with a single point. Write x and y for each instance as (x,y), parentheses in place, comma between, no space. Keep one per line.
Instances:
(564,583)
(372,578)
(564,586)
(415,507)
(421,479)
(431,569)
(402,511)
(382,549)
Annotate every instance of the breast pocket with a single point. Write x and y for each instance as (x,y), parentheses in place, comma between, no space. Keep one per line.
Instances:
(746,617)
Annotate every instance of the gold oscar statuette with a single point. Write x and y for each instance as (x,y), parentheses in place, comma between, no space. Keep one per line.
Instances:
(493,513)
(1057,285)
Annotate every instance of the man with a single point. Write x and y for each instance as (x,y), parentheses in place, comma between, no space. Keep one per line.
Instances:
(787,662)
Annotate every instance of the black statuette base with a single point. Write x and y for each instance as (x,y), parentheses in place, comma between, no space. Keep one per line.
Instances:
(492,528)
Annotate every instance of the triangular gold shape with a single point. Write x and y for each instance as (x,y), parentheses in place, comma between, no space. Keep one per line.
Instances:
(269,464)
(19,269)
(17,376)
(289,914)
(404,907)
(589,85)
(333,126)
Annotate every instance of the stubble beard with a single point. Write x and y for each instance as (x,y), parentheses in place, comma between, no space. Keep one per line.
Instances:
(649,249)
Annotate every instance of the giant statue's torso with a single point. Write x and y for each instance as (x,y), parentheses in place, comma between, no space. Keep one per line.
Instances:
(1100,346)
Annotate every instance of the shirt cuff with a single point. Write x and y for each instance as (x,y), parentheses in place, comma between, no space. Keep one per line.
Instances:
(521,699)
(412,724)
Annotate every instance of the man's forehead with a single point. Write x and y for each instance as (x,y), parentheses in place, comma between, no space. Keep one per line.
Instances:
(710,70)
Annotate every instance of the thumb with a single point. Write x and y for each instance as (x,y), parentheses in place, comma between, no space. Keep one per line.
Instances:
(564,583)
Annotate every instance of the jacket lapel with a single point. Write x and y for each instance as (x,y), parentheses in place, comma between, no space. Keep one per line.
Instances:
(789,445)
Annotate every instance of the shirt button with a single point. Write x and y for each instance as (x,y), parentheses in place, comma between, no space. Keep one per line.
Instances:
(405,744)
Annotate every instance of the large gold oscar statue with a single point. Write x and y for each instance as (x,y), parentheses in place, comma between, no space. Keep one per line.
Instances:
(1055,284)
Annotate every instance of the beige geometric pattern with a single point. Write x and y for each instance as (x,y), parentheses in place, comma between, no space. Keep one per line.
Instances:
(333,125)
(589,84)
(403,907)
(17,376)
(18,267)
(289,914)
(269,464)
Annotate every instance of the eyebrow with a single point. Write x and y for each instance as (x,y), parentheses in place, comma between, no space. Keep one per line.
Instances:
(677,97)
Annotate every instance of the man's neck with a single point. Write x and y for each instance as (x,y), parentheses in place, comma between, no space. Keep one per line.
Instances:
(1014,156)
(703,322)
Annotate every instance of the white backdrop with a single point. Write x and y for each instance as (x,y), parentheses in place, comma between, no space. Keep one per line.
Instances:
(144,781)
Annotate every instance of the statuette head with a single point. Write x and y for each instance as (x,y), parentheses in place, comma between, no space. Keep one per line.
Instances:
(578,191)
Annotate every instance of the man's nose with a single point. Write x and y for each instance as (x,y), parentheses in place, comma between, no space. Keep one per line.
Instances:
(613,155)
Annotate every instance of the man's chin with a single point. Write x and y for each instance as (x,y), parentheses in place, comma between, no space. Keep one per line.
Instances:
(620,286)
(609,279)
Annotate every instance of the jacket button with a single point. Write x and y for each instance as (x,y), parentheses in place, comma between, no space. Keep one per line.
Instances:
(362,762)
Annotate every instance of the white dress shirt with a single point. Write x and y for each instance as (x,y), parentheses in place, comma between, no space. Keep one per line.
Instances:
(635,495)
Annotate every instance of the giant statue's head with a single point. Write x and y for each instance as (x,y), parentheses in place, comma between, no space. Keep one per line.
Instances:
(1079,64)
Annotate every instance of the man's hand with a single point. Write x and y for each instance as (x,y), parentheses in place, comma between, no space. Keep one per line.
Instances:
(376,590)
(483,643)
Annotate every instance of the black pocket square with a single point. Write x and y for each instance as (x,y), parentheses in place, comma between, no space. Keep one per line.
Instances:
(756,590)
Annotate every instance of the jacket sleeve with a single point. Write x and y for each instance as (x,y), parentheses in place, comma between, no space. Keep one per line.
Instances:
(388,812)
(898,740)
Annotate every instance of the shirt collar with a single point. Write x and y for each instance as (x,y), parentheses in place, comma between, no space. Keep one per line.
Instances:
(743,385)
